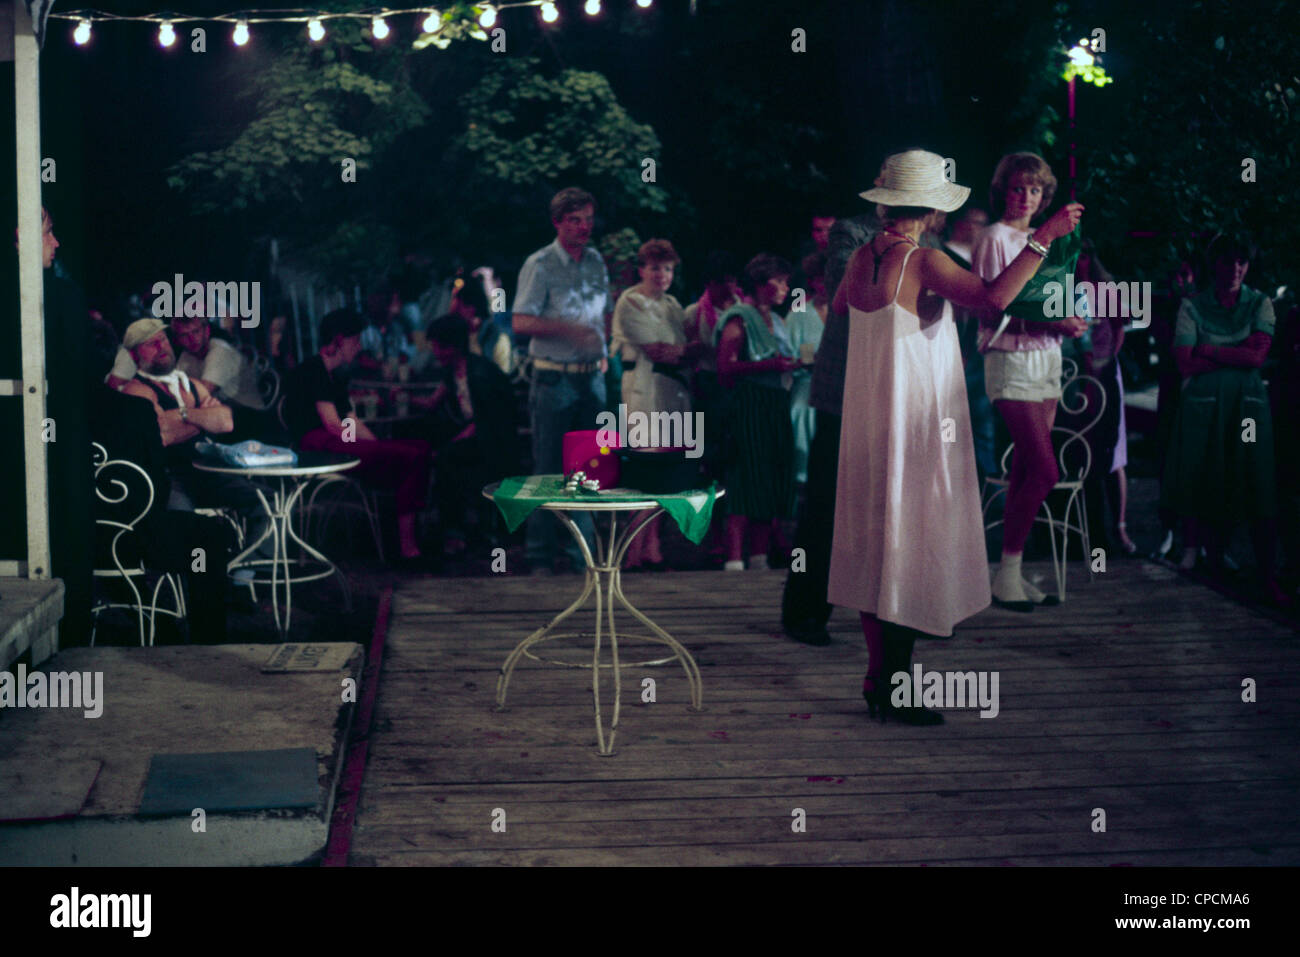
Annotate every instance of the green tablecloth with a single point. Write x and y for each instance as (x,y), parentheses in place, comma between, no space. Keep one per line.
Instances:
(518,497)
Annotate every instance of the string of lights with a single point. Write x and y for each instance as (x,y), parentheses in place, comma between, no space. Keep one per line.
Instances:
(432,23)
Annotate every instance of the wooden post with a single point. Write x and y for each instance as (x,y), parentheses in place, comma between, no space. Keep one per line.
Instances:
(31,287)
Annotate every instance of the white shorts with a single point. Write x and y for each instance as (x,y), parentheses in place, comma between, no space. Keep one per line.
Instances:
(1023,376)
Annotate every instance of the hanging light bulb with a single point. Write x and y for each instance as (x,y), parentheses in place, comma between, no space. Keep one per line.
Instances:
(241,33)
(433,22)
(487,17)
(378,28)
(81,35)
(592,7)
(549,13)
(644,4)
(166,34)
(315,30)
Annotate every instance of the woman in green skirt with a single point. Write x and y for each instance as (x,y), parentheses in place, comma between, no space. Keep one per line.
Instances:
(755,365)
(1219,469)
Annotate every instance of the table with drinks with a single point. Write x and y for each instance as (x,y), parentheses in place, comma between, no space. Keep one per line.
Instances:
(381,403)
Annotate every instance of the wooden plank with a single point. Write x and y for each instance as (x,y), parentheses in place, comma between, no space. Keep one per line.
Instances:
(1112,700)
(418,805)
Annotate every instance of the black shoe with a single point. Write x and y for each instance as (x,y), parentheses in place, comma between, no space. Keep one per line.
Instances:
(879,706)
(915,716)
(877,700)
(814,635)
(1015,605)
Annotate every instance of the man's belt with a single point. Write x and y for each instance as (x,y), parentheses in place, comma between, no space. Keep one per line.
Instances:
(546,365)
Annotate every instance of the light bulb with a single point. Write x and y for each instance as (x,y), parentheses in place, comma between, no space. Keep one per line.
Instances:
(166,35)
(315,30)
(643,4)
(81,35)
(549,13)
(241,33)
(378,28)
(487,17)
(433,22)
(592,7)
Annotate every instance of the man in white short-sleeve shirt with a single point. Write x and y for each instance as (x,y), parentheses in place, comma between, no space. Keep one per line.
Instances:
(561,302)
(216,363)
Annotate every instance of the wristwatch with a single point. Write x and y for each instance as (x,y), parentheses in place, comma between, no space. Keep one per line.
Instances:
(185,416)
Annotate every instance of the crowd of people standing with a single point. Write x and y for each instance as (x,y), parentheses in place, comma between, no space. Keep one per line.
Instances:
(899,324)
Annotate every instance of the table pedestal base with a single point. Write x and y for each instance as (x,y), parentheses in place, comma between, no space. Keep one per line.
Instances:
(603,578)
(280,530)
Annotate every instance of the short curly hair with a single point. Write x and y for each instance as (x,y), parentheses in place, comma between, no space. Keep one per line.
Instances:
(1013,164)
(655,251)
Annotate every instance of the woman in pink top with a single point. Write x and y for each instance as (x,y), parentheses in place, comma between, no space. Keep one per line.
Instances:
(1022,366)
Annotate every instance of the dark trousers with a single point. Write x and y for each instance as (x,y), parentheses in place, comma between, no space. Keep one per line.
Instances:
(804,603)
(169,544)
(462,473)
(560,402)
(399,465)
(193,489)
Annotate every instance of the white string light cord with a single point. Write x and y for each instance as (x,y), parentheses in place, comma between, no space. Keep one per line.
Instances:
(432,20)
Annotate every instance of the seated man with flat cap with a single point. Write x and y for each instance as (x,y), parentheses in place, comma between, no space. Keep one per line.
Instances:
(186,412)
(164,539)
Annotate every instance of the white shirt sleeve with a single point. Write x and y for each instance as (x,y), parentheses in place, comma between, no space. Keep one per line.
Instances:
(222,366)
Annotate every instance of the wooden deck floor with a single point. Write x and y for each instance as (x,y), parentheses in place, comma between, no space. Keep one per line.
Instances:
(1127,698)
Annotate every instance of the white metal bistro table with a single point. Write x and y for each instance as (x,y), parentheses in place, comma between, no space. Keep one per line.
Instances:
(603,576)
(286,484)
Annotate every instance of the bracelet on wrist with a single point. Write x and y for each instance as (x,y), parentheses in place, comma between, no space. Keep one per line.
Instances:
(1037,247)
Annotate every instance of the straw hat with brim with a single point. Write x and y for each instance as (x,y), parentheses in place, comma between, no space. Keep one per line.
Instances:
(141,331)
(915,178)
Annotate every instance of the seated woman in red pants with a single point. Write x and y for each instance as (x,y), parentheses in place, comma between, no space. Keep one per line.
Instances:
(319,413)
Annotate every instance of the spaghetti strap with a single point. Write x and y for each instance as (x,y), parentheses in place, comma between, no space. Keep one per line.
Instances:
(900,273)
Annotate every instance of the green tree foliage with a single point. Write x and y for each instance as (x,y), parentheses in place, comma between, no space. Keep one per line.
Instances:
(458,151)
(528,134)
(282,173)
(1202,87)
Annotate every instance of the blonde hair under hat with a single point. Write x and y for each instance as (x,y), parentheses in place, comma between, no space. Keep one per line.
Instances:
(915,178)
(141,331)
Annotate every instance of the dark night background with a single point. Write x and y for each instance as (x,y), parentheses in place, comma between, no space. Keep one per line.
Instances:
(174,161)
(753,135)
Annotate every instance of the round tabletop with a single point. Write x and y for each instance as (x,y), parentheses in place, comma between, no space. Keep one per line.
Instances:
(588,503)
(309,463)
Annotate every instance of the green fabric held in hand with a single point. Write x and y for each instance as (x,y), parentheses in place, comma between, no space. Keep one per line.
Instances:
(1062,257)
(518,497)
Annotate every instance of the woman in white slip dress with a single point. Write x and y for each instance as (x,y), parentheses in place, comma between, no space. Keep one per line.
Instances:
(908,549)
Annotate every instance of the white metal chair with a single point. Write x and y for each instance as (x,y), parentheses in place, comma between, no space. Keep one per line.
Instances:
(268,380)
(122,483)
(1083,402)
